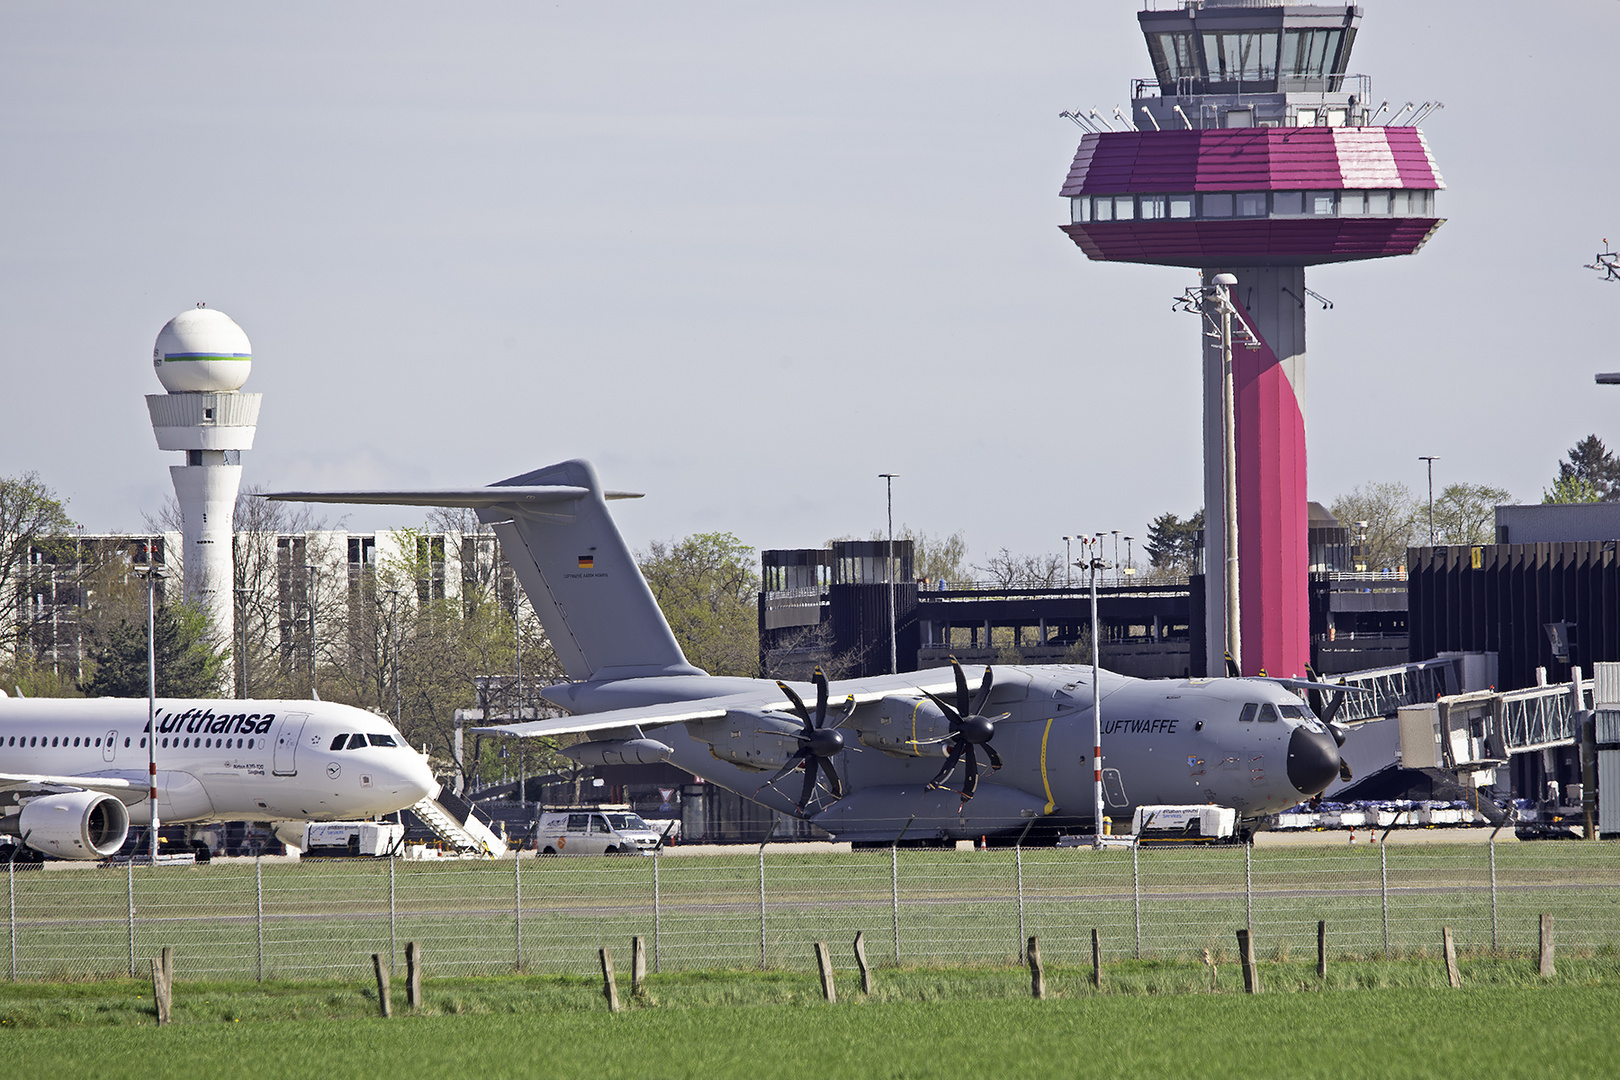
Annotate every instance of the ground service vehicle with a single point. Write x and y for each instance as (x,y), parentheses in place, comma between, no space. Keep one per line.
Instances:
(595,830)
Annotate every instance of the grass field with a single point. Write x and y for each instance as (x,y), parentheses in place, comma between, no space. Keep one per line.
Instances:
(1370,1019)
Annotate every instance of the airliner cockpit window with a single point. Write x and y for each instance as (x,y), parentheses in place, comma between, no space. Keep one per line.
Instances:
(383,740)
(339,741)
(1268,711)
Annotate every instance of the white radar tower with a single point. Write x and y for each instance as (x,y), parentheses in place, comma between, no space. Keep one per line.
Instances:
(202,358)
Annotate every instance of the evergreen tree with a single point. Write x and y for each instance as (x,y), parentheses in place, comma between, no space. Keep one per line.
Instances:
(188,663)
(1590,461)
(1173,543)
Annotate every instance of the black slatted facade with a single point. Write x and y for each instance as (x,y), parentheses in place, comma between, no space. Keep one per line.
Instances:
(1501,597)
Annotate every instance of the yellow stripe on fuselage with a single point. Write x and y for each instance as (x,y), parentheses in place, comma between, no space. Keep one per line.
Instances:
(1045,783)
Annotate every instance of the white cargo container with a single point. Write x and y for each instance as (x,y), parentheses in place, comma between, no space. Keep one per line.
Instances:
(1184,823)
(353,838)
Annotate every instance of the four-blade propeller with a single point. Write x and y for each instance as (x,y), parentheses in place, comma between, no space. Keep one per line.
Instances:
(818,742)
(970,729)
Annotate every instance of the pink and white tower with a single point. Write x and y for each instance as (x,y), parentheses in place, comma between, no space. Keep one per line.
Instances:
(1255,154)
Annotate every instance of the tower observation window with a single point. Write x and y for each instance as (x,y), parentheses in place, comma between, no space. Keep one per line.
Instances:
(1241,57)
(1173,56)
(1310,53)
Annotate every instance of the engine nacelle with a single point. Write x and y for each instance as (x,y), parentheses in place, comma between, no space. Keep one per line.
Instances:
(618,752)
(913,726)
(74,825)
(752,740)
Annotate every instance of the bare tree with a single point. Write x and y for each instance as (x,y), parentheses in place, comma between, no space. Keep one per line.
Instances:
(32,519)
(1009,571)
(1390,515)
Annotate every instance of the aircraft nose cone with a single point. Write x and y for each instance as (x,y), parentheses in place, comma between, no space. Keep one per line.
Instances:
(1313,761)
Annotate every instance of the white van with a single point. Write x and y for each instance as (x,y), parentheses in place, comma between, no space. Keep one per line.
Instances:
(595,831)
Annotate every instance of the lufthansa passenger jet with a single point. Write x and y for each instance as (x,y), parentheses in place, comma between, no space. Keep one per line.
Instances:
(74,771)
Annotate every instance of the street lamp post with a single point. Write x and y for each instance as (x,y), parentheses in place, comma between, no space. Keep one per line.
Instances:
(393,647)
(151,704)
(1068,558)
(1096,695)
(888,572)
(1130,560)
(314,692)
(241,621)
(517,634)
(1431,459)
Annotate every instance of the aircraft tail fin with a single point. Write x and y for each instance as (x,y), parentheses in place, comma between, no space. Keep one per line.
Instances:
(579,575)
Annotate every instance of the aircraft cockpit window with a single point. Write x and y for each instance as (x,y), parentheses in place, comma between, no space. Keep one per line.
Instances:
(1268,712)
(1292,712)
(340,741)
(383,740)
(1248,712)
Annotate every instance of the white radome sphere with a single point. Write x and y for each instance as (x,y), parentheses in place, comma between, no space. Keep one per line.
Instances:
(202,349)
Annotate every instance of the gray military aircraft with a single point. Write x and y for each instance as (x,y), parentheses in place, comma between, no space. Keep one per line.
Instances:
(914,756)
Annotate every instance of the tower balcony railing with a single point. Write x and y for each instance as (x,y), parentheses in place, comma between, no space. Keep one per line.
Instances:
(1271,97)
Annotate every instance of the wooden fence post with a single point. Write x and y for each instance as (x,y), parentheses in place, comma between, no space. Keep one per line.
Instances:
(638,966)
(413,975)
(860,959)
(1096,959)
(1321,948)
(1546,946)
(1251,976)
(1453,976)
(610,989)
(1037,974)
(824,963)
(384,1001)
(163,984)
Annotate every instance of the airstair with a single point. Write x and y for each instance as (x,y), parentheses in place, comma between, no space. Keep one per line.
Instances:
(457,823)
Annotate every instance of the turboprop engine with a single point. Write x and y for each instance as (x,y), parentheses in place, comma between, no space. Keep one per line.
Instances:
(906,725)
(73,825)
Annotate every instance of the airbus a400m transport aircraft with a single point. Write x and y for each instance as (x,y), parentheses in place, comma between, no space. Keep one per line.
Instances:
(918,755)
(75,774)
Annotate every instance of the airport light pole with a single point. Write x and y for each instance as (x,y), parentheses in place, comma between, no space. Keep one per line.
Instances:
(517,637)
(888,572)
(1130,560)
(309,569)
(1431,460)
(1096,696)
(241,621)
(1068,559)
(393,646)
(151,702)
(1214,303)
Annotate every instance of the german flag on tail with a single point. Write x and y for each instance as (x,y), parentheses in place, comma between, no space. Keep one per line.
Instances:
(587,562)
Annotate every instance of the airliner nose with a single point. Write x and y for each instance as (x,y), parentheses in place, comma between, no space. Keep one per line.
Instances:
(1313,760)
(419,782)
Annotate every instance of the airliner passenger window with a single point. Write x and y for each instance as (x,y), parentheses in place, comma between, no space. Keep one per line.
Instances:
(383,740)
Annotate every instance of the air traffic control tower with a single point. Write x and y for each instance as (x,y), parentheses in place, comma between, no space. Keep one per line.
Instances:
(1254,154)
(202,358)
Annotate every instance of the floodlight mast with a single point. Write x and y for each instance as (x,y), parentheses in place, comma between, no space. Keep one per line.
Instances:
(888,572)
(1096,695)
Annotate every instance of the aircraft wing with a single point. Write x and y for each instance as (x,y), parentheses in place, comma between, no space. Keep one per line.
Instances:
(473,498)
(715,708)
(14,781)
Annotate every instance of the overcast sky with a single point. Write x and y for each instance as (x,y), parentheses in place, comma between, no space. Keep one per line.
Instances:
(747,256)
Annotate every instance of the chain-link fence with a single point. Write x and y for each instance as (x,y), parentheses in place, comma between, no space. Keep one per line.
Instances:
(322,919)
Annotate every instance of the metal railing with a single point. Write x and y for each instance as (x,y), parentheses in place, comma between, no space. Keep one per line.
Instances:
(757,909)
